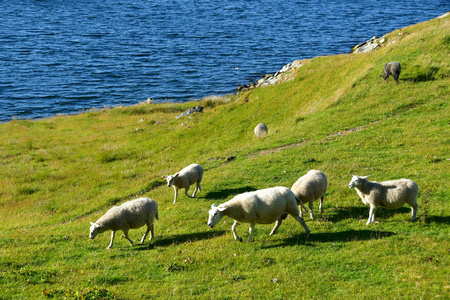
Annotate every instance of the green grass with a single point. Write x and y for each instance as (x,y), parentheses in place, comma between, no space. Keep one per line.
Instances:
(337,115)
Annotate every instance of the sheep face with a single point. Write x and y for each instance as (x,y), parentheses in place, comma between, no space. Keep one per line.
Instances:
(356,181)
(94,230)
(215,215)
(170,179)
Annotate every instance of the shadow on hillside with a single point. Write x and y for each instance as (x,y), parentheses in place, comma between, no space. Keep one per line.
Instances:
(178,239)
(426,75)
(225,193)
(343,236)
(342,213)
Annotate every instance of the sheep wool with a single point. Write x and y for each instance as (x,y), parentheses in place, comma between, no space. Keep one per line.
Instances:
(130,215)
(258,207)
(261,130)
(387,194)
(184,179)
(309,188)
(392,68)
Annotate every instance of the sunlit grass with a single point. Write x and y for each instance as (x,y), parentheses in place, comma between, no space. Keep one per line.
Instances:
(336,115)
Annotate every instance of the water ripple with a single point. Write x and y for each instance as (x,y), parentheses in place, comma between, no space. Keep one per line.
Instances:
(62,56)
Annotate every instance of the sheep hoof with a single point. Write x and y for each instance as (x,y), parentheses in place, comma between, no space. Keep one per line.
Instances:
(239,239)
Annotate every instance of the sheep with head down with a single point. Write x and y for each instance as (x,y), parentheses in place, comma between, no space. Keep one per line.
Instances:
(259,207)
(392,68)
(387,194)
(130,215)
(309,188)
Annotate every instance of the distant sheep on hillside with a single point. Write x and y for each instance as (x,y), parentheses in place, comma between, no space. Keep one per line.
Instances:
(392,68)
(261,130)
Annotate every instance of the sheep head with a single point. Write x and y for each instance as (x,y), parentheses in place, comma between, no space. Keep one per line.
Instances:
(357,181)
(94,230)
(215,215)
(170,179)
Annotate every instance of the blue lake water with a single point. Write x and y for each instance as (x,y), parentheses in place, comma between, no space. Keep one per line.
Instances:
(64,56)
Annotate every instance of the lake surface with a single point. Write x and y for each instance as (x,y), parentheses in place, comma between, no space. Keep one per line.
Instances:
(65,56)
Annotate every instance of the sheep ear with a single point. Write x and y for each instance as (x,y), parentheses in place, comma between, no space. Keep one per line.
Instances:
(213,205)
(95,225)
(176,175)
(221,209)
(365,176)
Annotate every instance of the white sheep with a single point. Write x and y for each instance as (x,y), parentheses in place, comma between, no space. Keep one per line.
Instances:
(261,207)
(260,130)
(388,194)
(183,180)
(130,215)
(309,188)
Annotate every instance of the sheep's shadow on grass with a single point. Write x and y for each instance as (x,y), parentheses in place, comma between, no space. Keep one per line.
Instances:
(430,74)
(436,219)
(226,193)
(178,239)
(359,213)
(333,237)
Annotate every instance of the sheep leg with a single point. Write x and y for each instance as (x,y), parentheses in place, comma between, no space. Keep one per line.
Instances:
(371,215)
(395,78)
(300,202)
(321,204)
(300,219)
(176,194)
(414,212)
(233,229)
(152,234)
(277,225)
(149,229)
(250,230)
(125,235)
(197,187)
(186,192)
(311,214)
(112,240)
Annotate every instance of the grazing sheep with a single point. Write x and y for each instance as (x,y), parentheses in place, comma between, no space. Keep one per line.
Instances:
(262,207)
(388,194)
(183,180)
(309,188)
(130,215)
(392,68)
(261,130)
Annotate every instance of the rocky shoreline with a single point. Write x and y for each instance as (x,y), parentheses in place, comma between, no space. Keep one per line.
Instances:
(286,73)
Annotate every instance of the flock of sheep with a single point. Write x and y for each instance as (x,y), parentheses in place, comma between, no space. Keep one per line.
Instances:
(262,206)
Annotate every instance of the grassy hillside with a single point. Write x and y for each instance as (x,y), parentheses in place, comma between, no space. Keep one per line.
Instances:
(337,115)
